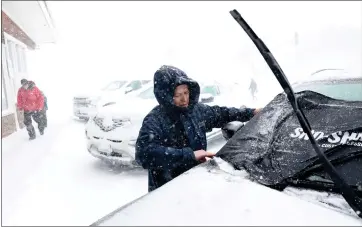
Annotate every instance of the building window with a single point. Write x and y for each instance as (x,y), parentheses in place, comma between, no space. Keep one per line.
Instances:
(20,52)
(4,99)
(4,96)
(17,57)
(11,59)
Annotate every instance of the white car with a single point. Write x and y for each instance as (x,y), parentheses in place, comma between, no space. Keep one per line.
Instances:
(86,106)
(112,133)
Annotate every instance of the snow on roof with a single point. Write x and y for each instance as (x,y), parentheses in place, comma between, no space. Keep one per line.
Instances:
(331,74)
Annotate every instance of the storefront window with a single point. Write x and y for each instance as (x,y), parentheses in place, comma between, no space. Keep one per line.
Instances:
(4,100)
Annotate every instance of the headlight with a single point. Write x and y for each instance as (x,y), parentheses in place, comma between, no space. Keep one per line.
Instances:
(94,101)
(121,121)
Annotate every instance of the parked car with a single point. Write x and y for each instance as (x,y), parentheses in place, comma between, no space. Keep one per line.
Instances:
(112,133)
(85,106)
(267,173)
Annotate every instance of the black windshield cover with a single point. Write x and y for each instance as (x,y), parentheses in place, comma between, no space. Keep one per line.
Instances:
(273,148)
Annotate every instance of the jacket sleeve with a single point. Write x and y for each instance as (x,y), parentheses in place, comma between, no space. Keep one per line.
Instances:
(151,154)
(20,99)
(40,99)
(217,117)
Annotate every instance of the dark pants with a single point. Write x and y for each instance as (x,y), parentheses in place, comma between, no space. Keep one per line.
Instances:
(39,118)
(45,118)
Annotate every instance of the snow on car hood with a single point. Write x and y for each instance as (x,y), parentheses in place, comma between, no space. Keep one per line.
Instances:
(330,74)
(88,91)
(130,108)
(205,96)
(231,198)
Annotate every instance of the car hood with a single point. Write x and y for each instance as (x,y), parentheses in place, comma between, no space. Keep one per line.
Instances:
(225,197)
(87,92)
(205,96)
(127,108)
(104,95)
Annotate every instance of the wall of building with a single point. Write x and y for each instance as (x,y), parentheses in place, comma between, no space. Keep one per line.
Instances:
(8,125)
(14,44)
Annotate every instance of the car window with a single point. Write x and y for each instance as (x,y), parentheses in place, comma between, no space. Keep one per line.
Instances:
(210,90)
(135,85)
(114,85)
(147,94)
(346,90)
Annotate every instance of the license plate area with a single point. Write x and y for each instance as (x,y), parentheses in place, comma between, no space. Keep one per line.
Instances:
(105,149)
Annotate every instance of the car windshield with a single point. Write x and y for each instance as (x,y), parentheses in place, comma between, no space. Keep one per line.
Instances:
(147,94)
(350,90)
(136,84)
(114,85)
(209,90)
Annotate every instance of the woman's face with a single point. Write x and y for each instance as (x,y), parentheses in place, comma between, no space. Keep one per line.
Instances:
(181,96)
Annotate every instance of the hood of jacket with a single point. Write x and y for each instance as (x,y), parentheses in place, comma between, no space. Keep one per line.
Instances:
(166,79)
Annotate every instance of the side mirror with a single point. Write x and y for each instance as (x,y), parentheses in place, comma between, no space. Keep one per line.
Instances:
(231,128)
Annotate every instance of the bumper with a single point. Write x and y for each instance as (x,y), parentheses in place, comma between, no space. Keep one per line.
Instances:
(114,152)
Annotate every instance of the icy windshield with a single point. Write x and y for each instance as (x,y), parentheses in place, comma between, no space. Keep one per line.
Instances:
(350,90)
(136,84)
(114,85)
(213,90)
(147,94)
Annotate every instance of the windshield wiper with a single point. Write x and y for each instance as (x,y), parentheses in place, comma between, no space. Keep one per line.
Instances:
(347,192)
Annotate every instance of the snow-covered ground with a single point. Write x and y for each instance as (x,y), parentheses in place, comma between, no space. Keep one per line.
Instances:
(53,180)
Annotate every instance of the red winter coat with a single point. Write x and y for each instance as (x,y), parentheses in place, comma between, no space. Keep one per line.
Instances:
(30,99)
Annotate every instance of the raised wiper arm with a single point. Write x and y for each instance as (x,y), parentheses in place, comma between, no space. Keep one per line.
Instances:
(347,192)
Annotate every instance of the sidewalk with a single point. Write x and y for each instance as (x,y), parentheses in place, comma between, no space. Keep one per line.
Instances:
(21,159)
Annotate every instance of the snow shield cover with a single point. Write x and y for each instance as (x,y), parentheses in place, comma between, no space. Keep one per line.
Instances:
(273,148)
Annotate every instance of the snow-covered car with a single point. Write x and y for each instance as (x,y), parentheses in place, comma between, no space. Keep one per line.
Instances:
(85,106)
(112,133)
(267,173)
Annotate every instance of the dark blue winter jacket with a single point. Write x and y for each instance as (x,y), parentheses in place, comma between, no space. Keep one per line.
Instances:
(169,134)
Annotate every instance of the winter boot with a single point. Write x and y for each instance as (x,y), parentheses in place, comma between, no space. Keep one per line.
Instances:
(31,132)
(41,130)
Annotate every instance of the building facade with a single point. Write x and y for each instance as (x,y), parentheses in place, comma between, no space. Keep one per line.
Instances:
(25,26)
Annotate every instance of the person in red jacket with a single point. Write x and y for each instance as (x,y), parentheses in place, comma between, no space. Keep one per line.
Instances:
(31,101)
